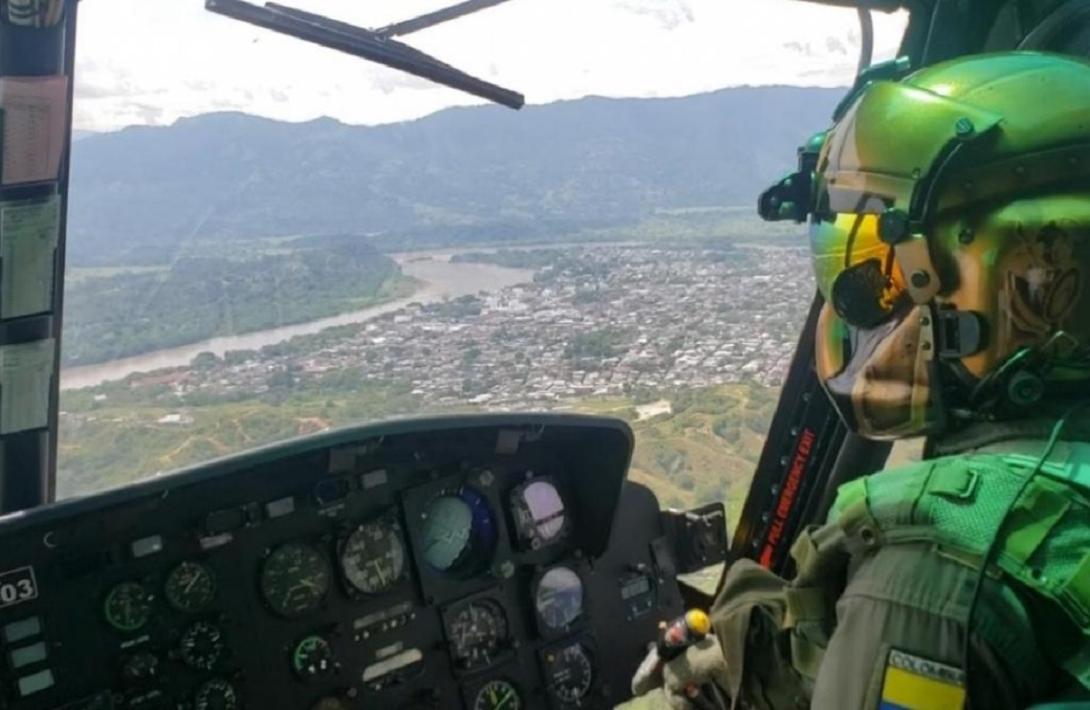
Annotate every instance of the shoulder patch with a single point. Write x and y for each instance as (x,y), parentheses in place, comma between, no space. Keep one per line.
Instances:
(915,683)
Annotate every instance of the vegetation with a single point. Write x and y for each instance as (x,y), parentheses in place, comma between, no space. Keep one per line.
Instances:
(115,434)
(702,448)
(590,349)
(222,291)
(478,175)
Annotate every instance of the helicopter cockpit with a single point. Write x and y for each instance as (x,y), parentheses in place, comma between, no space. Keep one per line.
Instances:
(496,561)
(484,561)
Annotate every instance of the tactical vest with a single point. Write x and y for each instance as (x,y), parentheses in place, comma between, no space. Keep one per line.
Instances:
(960,504)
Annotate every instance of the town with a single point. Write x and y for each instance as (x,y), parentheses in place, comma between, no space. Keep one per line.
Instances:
(594,321)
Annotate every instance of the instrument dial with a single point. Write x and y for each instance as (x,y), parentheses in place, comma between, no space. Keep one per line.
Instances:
(190,587)
(201,646)
(140,667)
(558,599)
(497,695)
(128,606)
(313,658)
(539,514)
(447,531)
(215,694)
(294,579)
(458,532)
(569,673)
(477,633)
(373,557)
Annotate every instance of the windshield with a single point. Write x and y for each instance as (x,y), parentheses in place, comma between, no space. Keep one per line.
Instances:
(269,239)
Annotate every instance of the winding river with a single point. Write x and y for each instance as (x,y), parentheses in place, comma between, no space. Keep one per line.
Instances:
(440,278)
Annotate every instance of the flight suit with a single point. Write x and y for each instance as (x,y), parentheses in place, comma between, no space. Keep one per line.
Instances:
(876,615)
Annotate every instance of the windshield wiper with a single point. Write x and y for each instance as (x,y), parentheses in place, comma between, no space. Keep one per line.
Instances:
(372,45)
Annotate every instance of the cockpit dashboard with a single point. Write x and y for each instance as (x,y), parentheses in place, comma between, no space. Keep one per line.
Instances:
(491,562)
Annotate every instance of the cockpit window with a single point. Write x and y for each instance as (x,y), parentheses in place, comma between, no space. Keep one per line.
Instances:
(271,239)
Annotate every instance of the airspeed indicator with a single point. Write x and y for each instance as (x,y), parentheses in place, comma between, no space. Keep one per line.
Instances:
(190,587)
(128,606)
(294,579)
(372,557)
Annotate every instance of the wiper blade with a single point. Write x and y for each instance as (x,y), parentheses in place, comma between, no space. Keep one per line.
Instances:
(364,43)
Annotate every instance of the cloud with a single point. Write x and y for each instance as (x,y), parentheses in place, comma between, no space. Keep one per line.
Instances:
(149,114)
(835,46)
(799,48)
(134,56)
(667,13)
(391,80)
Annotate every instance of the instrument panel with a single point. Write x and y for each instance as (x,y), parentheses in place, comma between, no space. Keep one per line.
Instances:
(492,562)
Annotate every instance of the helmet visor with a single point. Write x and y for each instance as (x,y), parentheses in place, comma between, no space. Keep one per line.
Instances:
(855,270)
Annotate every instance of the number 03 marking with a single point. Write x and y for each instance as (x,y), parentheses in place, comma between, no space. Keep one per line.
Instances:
(17,585)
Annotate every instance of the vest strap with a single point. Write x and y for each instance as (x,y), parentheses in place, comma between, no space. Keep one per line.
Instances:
(1075,595)
(1031,519)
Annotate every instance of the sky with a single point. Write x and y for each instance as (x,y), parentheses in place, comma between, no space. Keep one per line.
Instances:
(154,61)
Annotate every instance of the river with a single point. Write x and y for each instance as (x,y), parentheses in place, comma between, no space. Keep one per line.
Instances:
(440,278)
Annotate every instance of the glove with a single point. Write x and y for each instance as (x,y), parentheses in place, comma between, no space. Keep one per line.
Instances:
(649,674)
(681,679)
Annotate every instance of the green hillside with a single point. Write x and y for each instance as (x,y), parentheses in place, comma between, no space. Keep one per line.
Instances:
(215,289)
(701,452)
(464,175)
(704,449)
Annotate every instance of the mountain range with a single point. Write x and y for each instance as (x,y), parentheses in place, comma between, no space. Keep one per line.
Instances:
(470,174)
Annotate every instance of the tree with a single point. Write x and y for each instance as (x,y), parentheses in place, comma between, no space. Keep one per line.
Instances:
(204,360)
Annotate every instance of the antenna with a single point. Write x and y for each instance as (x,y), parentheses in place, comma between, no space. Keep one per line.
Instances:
(373,45)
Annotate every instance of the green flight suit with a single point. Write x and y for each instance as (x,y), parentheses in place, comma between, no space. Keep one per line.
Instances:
(876,615)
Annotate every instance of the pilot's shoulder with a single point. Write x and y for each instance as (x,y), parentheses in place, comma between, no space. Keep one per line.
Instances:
(954,475)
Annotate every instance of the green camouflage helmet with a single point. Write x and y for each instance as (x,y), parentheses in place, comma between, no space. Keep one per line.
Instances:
(950,233)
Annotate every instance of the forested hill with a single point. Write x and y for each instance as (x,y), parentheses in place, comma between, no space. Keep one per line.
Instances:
(485,172)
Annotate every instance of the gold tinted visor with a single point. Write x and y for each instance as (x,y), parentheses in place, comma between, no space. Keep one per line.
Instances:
(855,270)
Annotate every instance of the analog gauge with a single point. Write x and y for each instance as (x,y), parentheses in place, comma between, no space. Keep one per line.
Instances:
(215,694)
(497,695)
(294,579)
(559,598)
(539,514)
(569,673)
(313,658)
(458,531)
(201,646)
(190,587)
(128,606)
(477,633)
(373,557)
(140,667)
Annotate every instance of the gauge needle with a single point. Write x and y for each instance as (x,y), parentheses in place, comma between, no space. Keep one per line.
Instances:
(378,571)
(506,697)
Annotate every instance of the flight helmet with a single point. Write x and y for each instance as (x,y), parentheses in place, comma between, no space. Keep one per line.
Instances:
(950,235)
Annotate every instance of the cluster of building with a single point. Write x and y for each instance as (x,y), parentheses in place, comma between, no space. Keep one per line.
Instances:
(594,321)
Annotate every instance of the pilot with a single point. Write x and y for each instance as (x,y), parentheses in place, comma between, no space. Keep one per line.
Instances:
(950,232)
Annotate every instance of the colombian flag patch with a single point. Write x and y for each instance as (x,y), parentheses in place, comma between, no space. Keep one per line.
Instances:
(914,683)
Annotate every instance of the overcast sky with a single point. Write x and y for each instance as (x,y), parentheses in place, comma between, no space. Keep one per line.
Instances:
(152,61)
